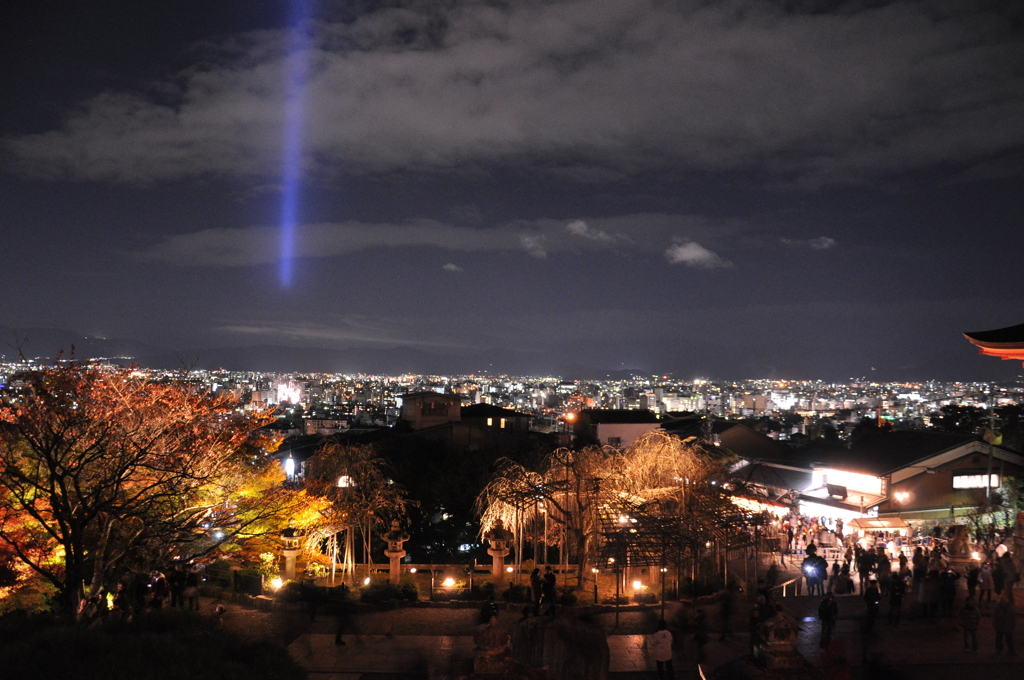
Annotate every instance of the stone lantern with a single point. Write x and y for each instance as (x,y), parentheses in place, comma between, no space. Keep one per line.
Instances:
(395,538)
(499,538)
(291,544)
(778,646)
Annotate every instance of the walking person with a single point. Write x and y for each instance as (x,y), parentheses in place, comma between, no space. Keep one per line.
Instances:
(727,605)
(970,619)
(157,590)
(947,590)
(345,623)
(1004,619)
(537,590)
(122,601)
(700,633)
(828,611)
(192,590)
(771,576)
(845,581)
(176,586)
(897,588)
(972,581)
(548,591)
(928,595)
(883,569)
(920,568)
(865,567)
(815,571)
(661,648)
(986,584)
(1009,570)
(998,578)
(873,598)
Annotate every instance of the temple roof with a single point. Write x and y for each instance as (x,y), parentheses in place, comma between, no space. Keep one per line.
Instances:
(1009,336)
(1005,343)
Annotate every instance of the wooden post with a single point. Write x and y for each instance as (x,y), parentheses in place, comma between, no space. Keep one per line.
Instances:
(617,569)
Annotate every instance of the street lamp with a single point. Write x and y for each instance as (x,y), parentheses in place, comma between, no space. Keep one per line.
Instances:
(901,498)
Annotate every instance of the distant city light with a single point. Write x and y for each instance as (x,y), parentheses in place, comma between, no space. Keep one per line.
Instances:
(290,393)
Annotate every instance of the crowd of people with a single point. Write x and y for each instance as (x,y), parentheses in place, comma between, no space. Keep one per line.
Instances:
(179,588)
(928,576)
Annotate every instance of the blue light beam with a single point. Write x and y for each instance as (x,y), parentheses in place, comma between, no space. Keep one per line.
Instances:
(296,70)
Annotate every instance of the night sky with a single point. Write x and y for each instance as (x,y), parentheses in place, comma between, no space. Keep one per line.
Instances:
(723,189)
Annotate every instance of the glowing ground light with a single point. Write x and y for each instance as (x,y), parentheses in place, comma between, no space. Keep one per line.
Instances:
(294,111)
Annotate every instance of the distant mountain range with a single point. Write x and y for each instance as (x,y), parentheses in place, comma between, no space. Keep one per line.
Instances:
(45,343)
(953,360)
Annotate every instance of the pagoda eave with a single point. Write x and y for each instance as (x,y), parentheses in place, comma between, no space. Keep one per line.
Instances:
(1005,343)
(1011,354)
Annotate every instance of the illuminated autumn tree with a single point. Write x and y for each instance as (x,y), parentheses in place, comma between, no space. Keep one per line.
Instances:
(102,470)
(661,498)
(360,499)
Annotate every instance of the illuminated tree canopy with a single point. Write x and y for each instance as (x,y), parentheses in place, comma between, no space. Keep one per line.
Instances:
(359,498)
(657,502)
(102,471)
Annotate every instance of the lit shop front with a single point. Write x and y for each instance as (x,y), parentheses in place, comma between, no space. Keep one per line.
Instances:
(841,494)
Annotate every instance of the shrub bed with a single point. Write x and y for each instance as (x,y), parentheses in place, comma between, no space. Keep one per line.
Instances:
(165,644)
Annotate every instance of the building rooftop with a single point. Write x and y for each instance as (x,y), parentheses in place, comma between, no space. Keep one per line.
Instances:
(882,454)
(490,411)
(611,416)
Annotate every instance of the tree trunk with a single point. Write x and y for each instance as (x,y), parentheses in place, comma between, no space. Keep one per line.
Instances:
(99,562)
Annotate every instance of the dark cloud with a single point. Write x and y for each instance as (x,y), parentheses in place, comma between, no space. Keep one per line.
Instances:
(260,245)
(593,86)
(819,243)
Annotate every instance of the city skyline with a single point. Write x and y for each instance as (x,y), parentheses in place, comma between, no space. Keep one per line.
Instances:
(729,189)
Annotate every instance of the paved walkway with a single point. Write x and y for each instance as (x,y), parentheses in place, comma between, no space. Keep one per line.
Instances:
(373,656)
(925,648)
(917,648)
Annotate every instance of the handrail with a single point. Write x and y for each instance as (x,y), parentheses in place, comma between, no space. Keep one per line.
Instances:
(785,584)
